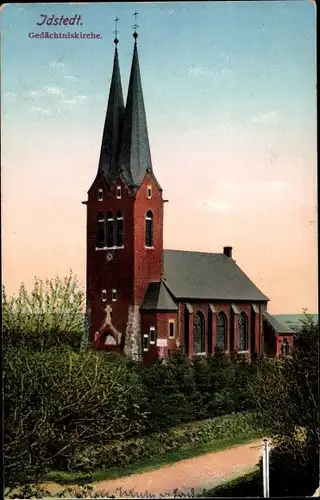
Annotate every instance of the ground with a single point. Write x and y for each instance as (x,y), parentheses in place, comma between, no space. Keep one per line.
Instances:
(196,473)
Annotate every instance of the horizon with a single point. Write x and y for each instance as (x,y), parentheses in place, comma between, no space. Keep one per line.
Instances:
(232,123)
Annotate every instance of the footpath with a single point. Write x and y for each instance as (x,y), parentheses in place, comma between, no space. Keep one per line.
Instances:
(204,472)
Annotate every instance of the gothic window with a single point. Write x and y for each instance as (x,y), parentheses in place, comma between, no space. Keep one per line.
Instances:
(222,332)
(152,334)
(110,230)
(101,230)
(104,295)
(199,334)
(243,332)
(285,347)
(171,328)
(145,342)
(114,295)
(149,229)
(118,192)
(149,192)
(100,195)
(119,234)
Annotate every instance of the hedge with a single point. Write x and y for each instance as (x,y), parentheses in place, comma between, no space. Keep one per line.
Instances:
(125,452)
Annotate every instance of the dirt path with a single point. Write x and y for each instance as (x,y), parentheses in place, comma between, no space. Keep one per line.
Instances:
(197,473)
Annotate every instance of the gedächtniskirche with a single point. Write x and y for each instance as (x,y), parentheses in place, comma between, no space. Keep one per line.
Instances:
(144,300)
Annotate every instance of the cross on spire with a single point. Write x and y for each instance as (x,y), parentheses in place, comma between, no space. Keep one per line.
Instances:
(116,31)
(135,26)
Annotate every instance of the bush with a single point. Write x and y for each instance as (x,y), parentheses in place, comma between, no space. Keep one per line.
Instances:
(50,315)
(170,390)
(125,452)
(59,401)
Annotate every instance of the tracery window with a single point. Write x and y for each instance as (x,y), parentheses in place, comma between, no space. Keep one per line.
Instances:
(110,230)
(101,230)
(222,332)
(149,229)
(119,232)
(198,333)
(243,332)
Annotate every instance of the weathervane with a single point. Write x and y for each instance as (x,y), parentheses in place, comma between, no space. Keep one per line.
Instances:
(135,26)
(116,31)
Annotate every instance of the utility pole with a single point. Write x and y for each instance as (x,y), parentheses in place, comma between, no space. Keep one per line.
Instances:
(265,462)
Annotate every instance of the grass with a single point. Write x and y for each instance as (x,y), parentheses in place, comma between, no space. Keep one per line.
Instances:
(248,485)
(148,464)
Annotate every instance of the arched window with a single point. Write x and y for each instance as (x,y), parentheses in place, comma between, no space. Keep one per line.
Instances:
(198,332)
(285,347)
(101,231)
(149,229)
(222,332)
(110,230)
(243,332)
(119,231)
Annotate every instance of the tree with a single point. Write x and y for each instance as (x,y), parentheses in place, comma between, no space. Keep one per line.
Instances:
(52,313)
(285,393)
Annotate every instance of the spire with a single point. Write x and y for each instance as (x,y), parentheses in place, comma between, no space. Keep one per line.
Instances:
(114,117)
(134,157)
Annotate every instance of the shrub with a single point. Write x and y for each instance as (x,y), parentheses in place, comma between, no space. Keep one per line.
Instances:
(124,452)
(58,401)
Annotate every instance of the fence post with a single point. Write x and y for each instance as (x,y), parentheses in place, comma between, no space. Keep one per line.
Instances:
(265,462)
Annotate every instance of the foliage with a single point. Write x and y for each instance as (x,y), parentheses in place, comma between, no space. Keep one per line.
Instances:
(123,452)
(170,391)
(51,314)
(285,394)
(58,401)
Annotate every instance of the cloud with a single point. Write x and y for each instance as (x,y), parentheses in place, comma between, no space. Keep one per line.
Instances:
(170,12)
(54,91)
(70,77)
(74,100)
(268,117)
(197,71)
(10,94)
(225,57)
(40,110)
(31,93)
(57,65)
(69,101)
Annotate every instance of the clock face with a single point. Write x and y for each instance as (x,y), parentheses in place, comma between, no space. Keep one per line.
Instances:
(109,256)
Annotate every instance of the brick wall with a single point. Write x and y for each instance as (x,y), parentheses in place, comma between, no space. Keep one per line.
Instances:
(232,322)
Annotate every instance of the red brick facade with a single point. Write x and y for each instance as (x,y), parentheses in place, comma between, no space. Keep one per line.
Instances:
(118,276)
(132,266)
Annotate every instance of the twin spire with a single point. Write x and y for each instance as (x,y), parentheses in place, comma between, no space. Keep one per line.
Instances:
(125,142)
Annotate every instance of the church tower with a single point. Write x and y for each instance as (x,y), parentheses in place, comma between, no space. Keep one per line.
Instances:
(124,219)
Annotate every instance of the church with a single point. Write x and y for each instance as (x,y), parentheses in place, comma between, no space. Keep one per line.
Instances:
(144,300)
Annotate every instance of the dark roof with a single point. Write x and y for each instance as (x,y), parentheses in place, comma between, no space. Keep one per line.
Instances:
(114,117)
(277,326)
(157,298)
(134,156)
(211,276)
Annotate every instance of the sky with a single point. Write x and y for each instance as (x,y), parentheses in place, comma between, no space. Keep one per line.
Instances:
(230,97)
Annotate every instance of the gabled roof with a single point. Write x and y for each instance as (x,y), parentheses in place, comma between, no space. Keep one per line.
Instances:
(134,157)
(209,276)
(158,298)
(277,326)
(113,122)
